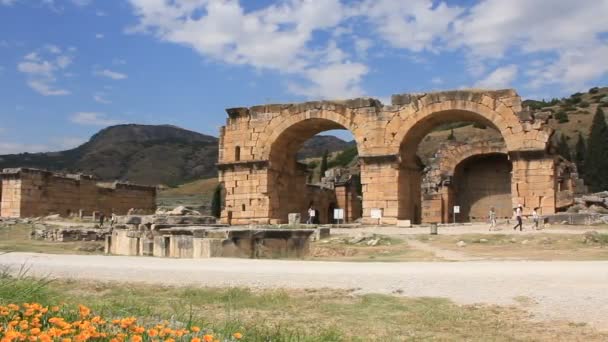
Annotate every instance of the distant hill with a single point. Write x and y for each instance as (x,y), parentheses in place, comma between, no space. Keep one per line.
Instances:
(147,154)
(144,154)
(316,146)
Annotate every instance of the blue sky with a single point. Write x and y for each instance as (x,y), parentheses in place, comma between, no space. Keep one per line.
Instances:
(71,67)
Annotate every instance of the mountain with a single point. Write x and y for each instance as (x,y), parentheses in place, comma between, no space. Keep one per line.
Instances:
(317,145)
(147,154)
(144,154)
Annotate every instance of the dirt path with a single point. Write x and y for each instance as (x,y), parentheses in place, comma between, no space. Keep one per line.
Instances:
(470,229)
(575,291)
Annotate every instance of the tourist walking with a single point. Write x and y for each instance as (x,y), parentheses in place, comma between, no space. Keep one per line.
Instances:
(311,215)
(518,214)
(492,218)
(102,218)
(535,218)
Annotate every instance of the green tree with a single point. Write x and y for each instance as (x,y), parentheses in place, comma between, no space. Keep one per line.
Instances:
(563,149)
(596,162)
(324,163)
(579,154)
(451,136)
(216,201)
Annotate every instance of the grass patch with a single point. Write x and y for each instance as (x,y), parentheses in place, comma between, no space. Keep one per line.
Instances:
(16,238)
(298,315)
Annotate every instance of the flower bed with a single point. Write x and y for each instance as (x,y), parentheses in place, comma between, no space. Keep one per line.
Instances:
(34,322)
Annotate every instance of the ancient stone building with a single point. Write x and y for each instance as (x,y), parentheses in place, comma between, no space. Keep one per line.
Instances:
(477,176)
(31,192)
(263,183)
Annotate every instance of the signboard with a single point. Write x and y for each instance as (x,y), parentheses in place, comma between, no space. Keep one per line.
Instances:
(376,213)
(339,214)
(456,209)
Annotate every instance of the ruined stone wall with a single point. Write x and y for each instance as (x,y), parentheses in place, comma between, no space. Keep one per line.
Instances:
(31,193)
(348,199)
(258,146)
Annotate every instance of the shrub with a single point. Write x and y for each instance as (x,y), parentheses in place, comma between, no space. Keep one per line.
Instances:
(583,104)
(561,117)
(594,90)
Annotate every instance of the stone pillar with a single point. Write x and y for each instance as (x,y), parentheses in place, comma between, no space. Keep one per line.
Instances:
(381,189)
(247,188)
(533,181)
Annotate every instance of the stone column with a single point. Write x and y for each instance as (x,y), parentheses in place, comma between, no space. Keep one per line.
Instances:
(380,177)
(533,181)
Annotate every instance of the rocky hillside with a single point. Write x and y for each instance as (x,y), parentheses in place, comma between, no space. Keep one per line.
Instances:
(573,114)
(138,153)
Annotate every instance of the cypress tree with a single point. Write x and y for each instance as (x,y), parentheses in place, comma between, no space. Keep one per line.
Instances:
(216,202)
(451,136)
(596,162)
(324,163)
(563,149)
(579,154)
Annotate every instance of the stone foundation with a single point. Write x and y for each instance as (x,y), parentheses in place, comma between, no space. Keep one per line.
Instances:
(211,242)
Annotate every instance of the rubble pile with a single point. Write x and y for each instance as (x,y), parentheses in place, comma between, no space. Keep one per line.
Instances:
(68,234)
(596,203)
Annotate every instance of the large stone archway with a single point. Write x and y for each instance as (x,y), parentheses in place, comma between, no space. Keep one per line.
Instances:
(257,141)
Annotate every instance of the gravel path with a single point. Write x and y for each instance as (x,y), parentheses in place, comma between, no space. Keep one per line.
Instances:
(575,291)
(470,229)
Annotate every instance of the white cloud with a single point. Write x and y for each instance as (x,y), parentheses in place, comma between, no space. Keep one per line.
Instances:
(568,34)
(118,61)
(414,25)
(110,74)
(41,70)
(93,119)
(99,36)
(46,88)
(277,37)
(7,2)
(500,78)
(339,81)
(101,98)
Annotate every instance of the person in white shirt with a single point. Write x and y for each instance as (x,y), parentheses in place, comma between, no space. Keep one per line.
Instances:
(311,215)
(518,214)
(535,218)
(492,218)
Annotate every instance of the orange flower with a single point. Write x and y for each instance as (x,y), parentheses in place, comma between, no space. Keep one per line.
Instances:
(208,338)
(66,340)
(55,308)
(195,339)
(84,311)
(35,331)
(195,329)
(169,340)
(152,332)
(136,338)
(237,335)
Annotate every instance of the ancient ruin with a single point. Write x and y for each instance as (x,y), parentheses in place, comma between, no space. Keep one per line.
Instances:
(32,193)
(477,176)
(184,234)
(264,183)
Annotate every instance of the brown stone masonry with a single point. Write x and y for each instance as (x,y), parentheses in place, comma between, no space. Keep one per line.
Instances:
(258,147)
(31,192)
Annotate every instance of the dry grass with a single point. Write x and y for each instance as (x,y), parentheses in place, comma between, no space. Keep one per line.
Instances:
(389,250)
(316,315)
(523,247)
(16,238)
(197,193)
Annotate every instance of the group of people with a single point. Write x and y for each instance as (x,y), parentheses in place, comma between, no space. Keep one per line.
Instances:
(518,214)
(102,219)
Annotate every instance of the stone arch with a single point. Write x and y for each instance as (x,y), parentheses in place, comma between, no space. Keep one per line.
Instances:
(453,157)
(419,114)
